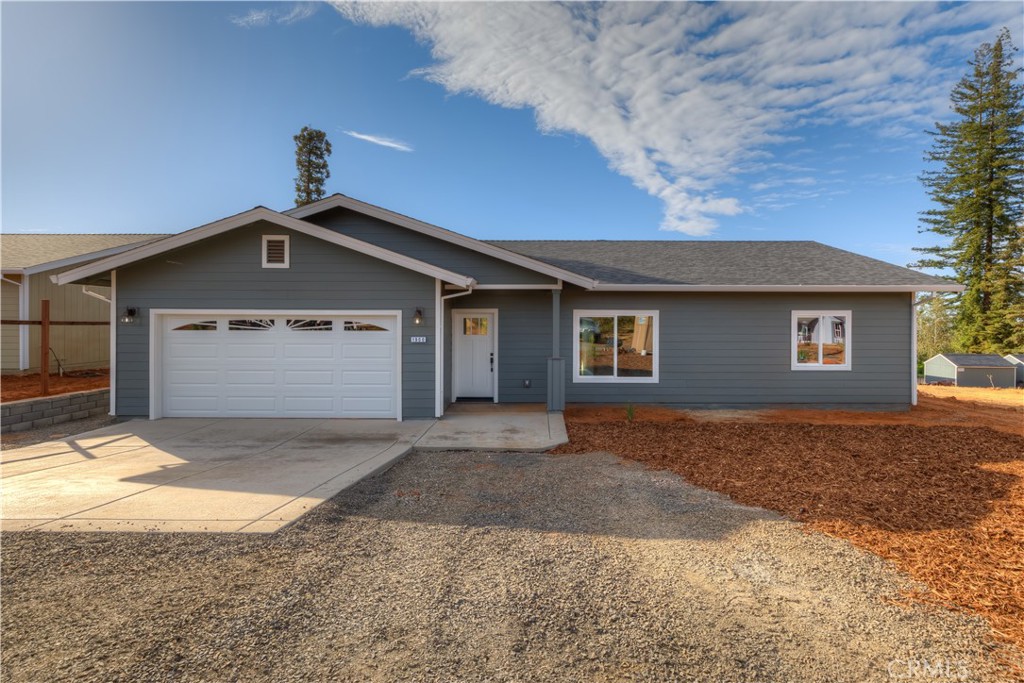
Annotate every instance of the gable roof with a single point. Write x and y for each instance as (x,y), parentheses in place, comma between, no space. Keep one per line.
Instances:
(726,266)
(977,360)
(34,253)
(493,249)
(258,213)
(1015,357)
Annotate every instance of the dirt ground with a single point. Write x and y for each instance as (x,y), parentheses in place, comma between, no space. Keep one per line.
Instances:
(938,490)
(998,409)
(17,387)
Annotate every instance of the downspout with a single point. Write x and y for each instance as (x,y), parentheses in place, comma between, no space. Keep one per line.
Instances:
(914,303)
(94,295)
(439,327)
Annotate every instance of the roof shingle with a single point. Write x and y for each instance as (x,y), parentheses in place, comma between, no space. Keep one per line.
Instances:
(19,251)
(665,262)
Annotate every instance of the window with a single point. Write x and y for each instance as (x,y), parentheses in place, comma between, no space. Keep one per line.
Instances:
(275,251)
(360,326)
(615,346)
(201,326)
(250,325)
(303,325)
(821,340)
(474,326)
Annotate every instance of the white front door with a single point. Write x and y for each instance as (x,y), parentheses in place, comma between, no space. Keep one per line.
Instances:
(474,354)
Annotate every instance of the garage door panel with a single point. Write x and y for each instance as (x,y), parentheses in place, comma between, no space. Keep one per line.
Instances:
(324,351)
(311,405)
(264,351)
(273,369)
(266,378)
(192,377)
(261,405)
(196,405)
(306,378)
(189,349)
(364,351)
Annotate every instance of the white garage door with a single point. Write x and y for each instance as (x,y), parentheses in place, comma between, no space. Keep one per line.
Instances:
(297,365)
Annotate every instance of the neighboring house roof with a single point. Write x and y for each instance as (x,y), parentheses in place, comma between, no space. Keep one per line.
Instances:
(665,264)
(259,213)
(34,253)
(977,360)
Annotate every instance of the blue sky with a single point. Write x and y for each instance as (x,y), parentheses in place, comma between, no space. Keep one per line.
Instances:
(499,120)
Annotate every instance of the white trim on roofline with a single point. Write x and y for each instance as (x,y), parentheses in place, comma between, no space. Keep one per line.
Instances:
(259,213)
(340,200)
(853,289)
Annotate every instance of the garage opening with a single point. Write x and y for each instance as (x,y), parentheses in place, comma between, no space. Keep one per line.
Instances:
(300,364)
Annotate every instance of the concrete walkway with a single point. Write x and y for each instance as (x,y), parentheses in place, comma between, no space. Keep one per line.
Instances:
(233,475)
(194,474)
(495,427)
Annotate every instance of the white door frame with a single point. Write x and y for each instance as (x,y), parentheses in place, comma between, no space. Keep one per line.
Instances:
(156,335)
(494,342)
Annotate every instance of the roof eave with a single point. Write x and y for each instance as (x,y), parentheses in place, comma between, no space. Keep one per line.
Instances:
(866,289)
(259,213)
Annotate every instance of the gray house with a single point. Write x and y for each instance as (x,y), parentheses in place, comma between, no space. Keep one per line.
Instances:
(345,309)
(1018,360)
(970,370)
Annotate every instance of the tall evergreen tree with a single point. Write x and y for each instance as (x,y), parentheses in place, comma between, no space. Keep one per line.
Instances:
(979,191)
(311,151)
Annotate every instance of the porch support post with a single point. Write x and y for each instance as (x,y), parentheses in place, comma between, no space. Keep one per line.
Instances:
(556,364)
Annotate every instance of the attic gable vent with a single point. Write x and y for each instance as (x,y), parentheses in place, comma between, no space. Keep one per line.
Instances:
(275,251)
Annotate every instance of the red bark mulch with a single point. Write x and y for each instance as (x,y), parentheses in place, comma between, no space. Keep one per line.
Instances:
(17,387)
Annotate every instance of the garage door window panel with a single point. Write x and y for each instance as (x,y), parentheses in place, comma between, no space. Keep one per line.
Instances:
(260,325)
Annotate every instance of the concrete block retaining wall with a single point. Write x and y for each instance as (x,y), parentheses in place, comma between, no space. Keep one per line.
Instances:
(32,413)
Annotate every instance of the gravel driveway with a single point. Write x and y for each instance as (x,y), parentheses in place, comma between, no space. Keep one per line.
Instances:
(478,566)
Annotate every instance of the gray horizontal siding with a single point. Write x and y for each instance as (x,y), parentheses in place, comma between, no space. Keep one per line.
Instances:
(485,269)
(1004,378)
(715,349)
(524,341)
(225,272)
(735,349)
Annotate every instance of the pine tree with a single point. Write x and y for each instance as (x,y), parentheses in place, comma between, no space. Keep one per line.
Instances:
(311,151)
(979,190)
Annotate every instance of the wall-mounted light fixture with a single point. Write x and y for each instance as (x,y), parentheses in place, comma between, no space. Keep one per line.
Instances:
(417,318)
(128,317)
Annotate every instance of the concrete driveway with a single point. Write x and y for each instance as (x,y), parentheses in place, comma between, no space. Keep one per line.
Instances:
(253,475)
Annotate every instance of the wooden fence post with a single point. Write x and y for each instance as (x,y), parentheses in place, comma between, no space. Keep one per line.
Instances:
(44,347)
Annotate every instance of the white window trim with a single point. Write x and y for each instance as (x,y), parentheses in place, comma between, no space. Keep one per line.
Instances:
(611,379)
(817,367)
(287,251)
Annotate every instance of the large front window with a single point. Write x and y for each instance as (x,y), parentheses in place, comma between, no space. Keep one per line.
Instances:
(821,340)
(616,346)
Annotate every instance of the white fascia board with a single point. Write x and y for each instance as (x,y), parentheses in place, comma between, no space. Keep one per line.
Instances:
(82,258)
(253,215)
(806,289)
(336,201)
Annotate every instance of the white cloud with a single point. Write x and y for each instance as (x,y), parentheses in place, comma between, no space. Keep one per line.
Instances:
(255,18)
(258,18)
(380,140)
(680,97)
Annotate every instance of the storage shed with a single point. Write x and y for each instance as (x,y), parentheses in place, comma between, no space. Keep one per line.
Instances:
(1018,360)
(971,370)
